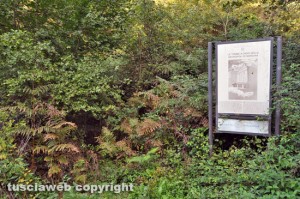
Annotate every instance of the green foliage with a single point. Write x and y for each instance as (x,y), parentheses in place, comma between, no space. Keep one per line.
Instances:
(198,144)
(131,75)
(144,159)
(14,168)
(25,64)
(88,85)
(288,97)
(238,172)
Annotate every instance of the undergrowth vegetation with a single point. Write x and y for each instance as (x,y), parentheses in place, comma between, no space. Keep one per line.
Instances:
(100,92)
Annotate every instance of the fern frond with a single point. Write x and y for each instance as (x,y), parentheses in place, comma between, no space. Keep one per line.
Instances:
(53,112)
(108,148)
(64,147)
(62,160)
(153,99)
(164,69)
(133,122)
(204,121)
(143,158)
(156,143)
(191,112)
(70,124)
(48,159)
(136,100)
(40,149)
(107,135)
(123,146)
(54,169)
(21,108)
(126,127)
(27,131)
(50,136)
(24,131)
(98,139)
(40,90)
(44,129)
(148,126)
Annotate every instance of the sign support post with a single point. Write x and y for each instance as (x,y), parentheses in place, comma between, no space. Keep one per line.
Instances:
(210,100)
(278,83)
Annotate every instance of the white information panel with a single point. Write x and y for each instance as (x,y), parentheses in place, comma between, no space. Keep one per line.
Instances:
(243,85)
(244,77)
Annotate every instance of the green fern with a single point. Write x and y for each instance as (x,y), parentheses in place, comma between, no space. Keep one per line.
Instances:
(144,158)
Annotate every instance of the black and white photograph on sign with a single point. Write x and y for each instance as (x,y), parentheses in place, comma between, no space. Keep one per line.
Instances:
(242,79)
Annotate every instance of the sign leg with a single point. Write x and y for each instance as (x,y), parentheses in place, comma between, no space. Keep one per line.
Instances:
(278,83)
(210,103)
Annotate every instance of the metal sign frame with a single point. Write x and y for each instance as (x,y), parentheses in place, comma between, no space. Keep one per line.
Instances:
(242,116)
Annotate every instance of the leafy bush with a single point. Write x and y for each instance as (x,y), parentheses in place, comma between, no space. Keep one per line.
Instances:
(14,169)
(288,97)
(236,173)
(131,75)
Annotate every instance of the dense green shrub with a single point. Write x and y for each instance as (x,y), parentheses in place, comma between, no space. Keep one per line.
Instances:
(288,97)
(236,173)
(14,169)
(131,75)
